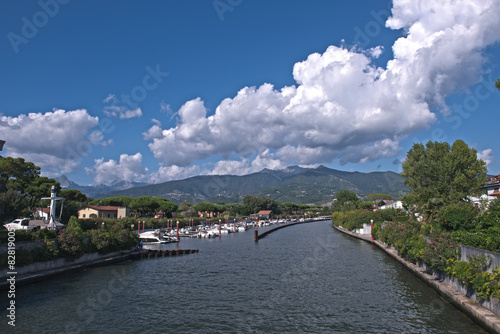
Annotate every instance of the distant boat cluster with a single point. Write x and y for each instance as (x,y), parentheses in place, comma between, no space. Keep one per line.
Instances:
(207,230)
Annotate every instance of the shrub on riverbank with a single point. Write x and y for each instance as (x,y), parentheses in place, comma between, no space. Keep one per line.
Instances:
(113,239)
(73,242)
(25,235)
(440,252)
(474,275)
(435,247)
(355,219)
(70,244)
(440,248)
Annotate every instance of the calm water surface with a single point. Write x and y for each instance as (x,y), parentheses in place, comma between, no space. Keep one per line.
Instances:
(301,279)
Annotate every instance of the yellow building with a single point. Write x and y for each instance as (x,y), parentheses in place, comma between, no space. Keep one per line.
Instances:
(98,211)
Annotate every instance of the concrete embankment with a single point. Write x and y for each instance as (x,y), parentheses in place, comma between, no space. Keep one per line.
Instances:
(44,270)
(263,234)
(484,317)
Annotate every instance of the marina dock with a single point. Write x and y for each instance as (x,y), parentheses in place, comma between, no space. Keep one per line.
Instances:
(154,253)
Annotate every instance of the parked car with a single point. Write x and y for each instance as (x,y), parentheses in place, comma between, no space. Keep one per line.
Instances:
(21,224)
(31,224)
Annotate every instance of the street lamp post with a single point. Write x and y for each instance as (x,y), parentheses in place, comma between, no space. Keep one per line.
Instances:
(371,229)
(178,231)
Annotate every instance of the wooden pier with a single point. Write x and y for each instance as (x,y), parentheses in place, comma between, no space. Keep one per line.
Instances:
(154,253)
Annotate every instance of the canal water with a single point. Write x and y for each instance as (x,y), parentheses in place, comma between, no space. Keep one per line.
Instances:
(306,278)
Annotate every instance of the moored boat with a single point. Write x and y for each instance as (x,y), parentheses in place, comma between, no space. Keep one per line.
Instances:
(152,237)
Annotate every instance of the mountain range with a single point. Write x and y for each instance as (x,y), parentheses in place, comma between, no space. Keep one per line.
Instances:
(292,184)
(94,190)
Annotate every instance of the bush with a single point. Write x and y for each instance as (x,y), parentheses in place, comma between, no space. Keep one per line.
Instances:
(44,234)
(113,238)
(416,248)
(400,235)
(70,244)
(24,235)
(461,216)
(100,241)
(486,239)
(355,219)
(474,275)
(376,230)
(440,249)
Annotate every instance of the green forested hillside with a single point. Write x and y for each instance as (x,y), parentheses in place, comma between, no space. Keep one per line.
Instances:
(293,184)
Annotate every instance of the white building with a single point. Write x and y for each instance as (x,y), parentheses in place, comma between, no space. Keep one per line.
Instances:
(392,205)
(491,190)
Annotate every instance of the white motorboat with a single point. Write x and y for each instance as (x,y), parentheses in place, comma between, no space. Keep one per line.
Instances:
(153,237)
(207,234)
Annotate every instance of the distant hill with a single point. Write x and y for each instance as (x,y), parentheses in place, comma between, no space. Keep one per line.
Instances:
(91,191)
(292,184)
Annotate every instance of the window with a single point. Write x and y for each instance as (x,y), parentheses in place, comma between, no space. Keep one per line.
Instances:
(83,216)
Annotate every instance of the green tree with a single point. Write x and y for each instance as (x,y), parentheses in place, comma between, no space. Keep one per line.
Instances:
(490,219)
(186,209)
(459,216)
(185,206)
(18,172)
(325,210)
(497,84)
(345,200)
(377,198)
(38,188)
(144,205)
(14,205)
(72,195)
(232,209)
(289,207)
(438,175)
(113,201)
(366,205)
(73,200)
(24,177)
(205,207)
(166,206)
(256,204)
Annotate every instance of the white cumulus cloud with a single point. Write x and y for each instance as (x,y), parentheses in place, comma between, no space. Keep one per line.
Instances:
(122,112)
(170,173)
(56,141)
(343,107)
(486,156)
(128,168)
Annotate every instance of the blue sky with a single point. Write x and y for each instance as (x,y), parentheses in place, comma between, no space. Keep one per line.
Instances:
(162,90)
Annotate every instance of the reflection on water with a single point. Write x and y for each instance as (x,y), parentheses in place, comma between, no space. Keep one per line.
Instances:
(303,278)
